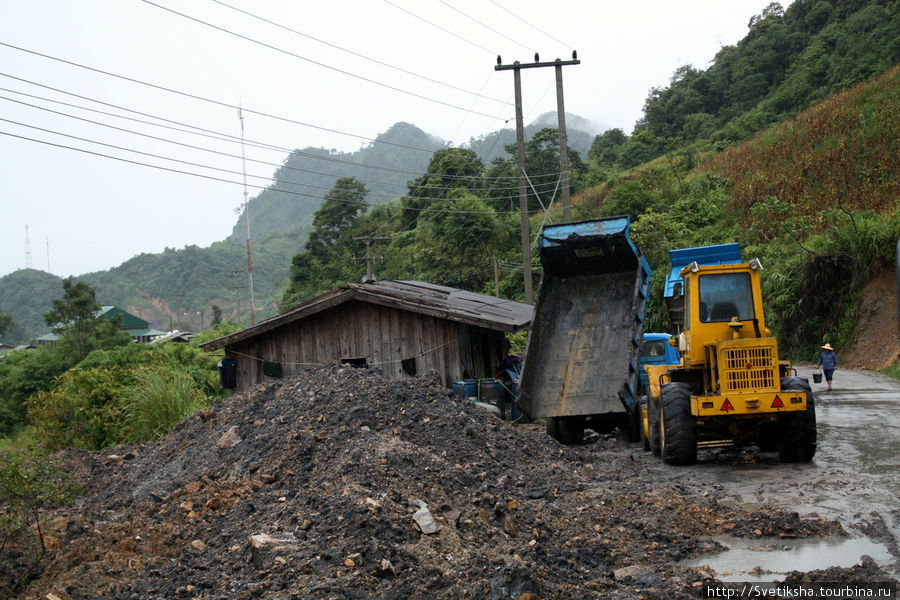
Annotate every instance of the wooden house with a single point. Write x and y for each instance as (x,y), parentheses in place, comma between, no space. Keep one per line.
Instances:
(402,328)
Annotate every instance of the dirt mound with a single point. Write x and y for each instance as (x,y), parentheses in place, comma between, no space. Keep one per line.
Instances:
(342,483)
(875,342)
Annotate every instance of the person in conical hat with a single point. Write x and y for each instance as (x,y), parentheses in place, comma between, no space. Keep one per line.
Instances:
(828,362)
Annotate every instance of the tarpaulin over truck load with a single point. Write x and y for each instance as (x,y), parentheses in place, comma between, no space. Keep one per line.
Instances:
(582,356)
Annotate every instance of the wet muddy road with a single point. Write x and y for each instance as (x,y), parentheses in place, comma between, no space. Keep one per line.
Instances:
(854,478)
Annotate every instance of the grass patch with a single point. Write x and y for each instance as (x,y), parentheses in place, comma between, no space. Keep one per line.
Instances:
(892,371)
(161,400)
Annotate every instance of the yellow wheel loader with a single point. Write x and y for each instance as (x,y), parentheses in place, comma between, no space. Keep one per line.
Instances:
(731,388)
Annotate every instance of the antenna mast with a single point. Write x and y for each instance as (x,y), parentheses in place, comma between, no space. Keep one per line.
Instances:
(247,217)
(27,249)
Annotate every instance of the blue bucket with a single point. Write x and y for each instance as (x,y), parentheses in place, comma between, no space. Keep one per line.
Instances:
(465,389)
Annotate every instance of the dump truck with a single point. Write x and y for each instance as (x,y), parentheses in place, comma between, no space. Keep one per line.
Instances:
(731,387)
(583,350)
(657,349)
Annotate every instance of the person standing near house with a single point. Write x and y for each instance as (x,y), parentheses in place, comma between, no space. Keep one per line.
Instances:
(828,361)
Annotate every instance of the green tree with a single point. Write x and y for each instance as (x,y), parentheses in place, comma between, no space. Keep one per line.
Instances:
(75,317)
(452,173)
(606,148)
(339,211)
(541,169)
(217,316)
(330,255)
(6,323)
(23,374)
(77,307)
(454,246)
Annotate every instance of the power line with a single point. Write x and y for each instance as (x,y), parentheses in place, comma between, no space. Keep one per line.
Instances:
(208,100)
(444,29)
(488,27)
(536,28)
(222,180)
(231,138)
(225,154)
(315,62)
(362,56)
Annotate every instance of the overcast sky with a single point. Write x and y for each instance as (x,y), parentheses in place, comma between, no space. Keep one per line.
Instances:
(333,74)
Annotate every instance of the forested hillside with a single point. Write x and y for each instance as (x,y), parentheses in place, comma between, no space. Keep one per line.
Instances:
(26,295)
(815,197)
(287,206)
(725,153)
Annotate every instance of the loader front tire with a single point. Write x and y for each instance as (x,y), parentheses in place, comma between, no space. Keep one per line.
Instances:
(677,430)
(566,430)
(798,436)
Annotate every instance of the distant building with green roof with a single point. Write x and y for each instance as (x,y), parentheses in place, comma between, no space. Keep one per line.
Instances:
(139,329)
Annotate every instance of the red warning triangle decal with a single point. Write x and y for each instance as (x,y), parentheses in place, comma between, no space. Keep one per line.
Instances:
(726,406)
(777,403)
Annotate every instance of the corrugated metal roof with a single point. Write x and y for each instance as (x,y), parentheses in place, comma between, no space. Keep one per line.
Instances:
(420,297)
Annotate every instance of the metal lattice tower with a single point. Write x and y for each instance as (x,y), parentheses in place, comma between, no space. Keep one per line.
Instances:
(27,249)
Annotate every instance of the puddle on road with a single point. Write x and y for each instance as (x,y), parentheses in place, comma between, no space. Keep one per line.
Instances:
(768,559)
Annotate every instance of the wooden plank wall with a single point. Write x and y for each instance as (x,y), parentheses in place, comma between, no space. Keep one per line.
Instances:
(382,335)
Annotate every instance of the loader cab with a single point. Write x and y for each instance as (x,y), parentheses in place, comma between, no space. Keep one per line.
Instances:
(721,302)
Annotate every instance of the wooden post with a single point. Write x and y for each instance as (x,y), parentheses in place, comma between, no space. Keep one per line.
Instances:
(516,68)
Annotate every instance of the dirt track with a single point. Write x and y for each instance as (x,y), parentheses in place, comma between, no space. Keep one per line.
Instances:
(855,476)
(339,483)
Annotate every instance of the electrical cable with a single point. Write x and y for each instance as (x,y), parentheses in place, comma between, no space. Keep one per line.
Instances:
(208,100)
(236,139)
(225,154)
(315,62)
(488,27)
(362,56)
(219,179)
(498,5)
(444,29)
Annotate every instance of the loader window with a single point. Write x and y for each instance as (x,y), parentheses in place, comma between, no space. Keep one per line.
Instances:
(727,295)
(653,348)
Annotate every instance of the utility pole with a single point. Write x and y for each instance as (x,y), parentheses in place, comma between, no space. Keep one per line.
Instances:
(563,142)
(368,257)
(247,216)
(496,276)
(516,68)
(237,290)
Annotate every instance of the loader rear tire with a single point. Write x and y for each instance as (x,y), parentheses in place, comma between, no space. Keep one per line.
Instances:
(677,430)
(566,430)
(798,437)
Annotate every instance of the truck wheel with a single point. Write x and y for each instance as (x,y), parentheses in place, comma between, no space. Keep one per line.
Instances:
(653,424)
(677,430)
(798,437)
(566,430)
(643,423)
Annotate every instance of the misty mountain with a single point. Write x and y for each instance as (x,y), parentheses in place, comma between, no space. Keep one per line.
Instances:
(177,287)
(399,155)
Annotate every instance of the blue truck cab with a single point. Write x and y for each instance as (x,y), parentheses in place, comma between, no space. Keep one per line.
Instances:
(656,350)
